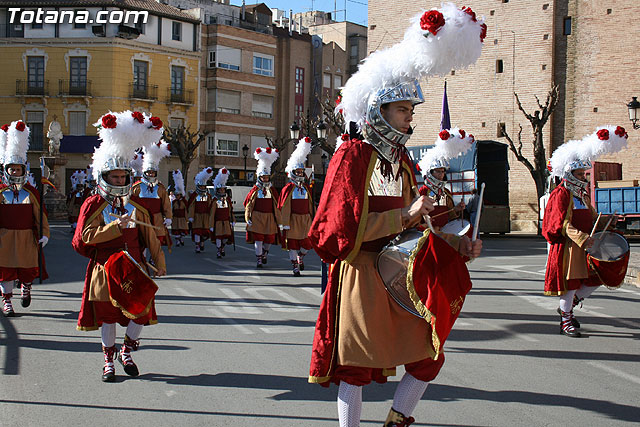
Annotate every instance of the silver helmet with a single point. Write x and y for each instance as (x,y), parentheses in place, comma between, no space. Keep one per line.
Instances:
(113,192)
(377,130)
(14,182)
(431,181)
(148,179)
(573,184)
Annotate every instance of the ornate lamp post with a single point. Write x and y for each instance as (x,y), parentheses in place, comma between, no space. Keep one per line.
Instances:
(294,130)
(245,153)
(634,112)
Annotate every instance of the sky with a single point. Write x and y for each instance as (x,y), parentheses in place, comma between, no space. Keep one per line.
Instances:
(356,9)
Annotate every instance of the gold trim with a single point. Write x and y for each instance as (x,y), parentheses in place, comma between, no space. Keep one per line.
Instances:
(318,380)
(127,313)
(365,210)
(593,268)
(419,305)
(389,372)
(87,328)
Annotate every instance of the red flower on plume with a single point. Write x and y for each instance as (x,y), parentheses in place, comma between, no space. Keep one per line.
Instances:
(258,150)
(432,21)
(159,143)
(109,121)
(620,131)
(307,139)
(549,168)
(444,135)
(345,137)
(209,170)
(473,138)
(277,151)
(20,126)
(462,133)
(169,147)
(483,33)
(156,122)
(469,12)
(603,134)
(418,168)
(5,128)
(268,150)
(338,99)
(138,116)
(224,171)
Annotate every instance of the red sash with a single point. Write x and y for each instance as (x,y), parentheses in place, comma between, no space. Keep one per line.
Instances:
(202,207)
(263,205)
(16,217)
(222,214)
(300,206)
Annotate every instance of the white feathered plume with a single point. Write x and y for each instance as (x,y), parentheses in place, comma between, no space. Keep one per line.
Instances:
(121,134)
(3,141)
(436,42)
(178,180)
(17,143)
(605,140)
(89,173)
(31,179)
(221,178)
(265,158)
(299,155)
(203,176)
(154,153)
(450,144)
(136,163)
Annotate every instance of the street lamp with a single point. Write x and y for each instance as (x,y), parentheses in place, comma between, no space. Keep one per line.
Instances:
(634,112)
(295,131)
(321,130)
(245,153)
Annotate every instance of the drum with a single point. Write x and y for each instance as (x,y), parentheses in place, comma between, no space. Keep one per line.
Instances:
(427,277)
(130,288)
(609,258)
(457,226)
(392,264)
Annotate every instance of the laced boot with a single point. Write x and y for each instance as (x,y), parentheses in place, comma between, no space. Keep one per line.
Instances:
(296,268)
(26,294)
(574,320)
(124,357)
(7,307)
(258,261)
(202,246)
(396,419)
(109,370)
(566,326)
(197,248)
(219,254)
(222,250)
(300,261)
(264,256)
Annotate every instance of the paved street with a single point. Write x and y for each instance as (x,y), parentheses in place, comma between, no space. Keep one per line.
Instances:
(233,345)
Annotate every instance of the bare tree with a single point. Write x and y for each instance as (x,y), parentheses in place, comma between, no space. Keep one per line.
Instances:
(334,121)
(538,120)
(280,143)
(184,143)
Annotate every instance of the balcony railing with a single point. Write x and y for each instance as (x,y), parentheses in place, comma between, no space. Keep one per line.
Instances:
(74,87)
(180,96)
(37,88)
(147,92)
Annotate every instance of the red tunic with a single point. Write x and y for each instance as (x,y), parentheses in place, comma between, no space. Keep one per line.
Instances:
(296,213)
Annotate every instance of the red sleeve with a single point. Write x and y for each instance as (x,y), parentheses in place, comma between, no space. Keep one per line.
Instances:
(248,198)
(87,210)
(335,226)
(286,190)
(555,214)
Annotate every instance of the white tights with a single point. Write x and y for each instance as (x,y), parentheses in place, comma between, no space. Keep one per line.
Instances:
(349,404)
(566,300)
(6,287)
(108,333)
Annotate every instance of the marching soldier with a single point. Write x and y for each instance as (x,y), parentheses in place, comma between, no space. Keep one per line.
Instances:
(21,238)
(179,224)
(222,213)
(200,210)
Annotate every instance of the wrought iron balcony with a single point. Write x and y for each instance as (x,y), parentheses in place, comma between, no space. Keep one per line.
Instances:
(32,88)
(146,92)
(74,87)
(180,96)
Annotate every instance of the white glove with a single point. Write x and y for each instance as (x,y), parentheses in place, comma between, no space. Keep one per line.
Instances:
(44,240)
(167,222)
(190,219)
(249,222)
(211,229)
(286,227)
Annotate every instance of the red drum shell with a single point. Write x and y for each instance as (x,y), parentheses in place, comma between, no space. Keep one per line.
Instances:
(609,258)
(130,288)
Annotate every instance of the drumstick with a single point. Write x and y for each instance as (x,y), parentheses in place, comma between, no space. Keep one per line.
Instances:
(135,221)
(595,225)
(609,222)
(478,212)
(441,213)
(155,270)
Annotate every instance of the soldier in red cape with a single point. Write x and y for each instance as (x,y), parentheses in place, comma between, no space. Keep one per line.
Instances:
(222,213)
(296,207)
(20,233)
(179,224)
(111,222)
(200,210)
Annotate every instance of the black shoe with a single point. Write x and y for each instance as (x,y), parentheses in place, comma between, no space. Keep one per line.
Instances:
(131,368)
(108,377)
(296,273)
(574,321)
(222,252)
(570,333)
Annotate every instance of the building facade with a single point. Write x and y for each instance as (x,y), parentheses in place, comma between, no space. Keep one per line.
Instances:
(531,46)
(73,73)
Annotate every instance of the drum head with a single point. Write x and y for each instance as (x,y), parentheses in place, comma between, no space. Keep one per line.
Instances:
(608,246)
(392,264)
(457,226)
